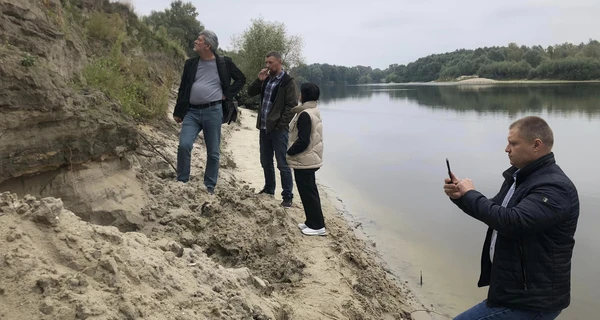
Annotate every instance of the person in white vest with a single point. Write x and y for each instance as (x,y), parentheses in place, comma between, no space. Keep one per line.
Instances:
(305,156)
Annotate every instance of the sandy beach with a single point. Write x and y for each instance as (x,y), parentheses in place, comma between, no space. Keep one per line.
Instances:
(121,239)
(243,146)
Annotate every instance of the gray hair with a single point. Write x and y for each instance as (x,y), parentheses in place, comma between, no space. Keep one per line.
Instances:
(275,55)
(211,39)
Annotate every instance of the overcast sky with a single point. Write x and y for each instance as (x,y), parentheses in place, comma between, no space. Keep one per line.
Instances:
(378,33)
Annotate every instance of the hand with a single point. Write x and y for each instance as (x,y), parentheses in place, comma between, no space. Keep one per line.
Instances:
(224,98)
(465,186)
(263,74)
(451,188)
(177,119)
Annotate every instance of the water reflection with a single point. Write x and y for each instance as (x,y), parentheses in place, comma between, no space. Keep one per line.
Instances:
(506,98)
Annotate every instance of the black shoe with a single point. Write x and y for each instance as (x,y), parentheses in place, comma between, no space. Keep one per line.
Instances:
(287,202)
(264,191)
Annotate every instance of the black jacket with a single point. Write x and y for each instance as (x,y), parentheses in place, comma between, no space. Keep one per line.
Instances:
(532,259)
(227,71)
(284,98)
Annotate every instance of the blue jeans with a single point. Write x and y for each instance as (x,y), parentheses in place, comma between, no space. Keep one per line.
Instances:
(483,312)
(276,142)
(196,120)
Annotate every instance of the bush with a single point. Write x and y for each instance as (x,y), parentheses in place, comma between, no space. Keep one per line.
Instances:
(104,26)
(505,70)
(568,69)
(28,60)
(128,80)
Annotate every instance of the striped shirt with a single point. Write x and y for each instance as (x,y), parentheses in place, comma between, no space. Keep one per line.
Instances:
(272,83)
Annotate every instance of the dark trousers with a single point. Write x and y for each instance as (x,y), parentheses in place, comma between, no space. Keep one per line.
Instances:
(309,194)
(275,142)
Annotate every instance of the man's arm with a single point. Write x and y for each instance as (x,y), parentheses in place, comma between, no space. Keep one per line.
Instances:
(238,80)
(459,202)
(180,104)
(254,88)
(542,208)
(290,100)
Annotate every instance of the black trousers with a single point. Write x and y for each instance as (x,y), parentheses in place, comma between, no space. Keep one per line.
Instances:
(309,194)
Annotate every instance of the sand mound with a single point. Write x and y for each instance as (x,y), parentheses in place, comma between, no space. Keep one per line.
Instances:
(477,81)
(56,266)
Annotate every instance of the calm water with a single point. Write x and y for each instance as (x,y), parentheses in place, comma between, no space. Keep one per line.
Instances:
(385,155)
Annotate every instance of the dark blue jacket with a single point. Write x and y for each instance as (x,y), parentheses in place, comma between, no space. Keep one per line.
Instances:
(532,259)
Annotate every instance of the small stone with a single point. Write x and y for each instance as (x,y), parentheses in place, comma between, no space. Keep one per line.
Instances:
(29,199)
(262,285)
(109,264)
(163,244)
(49,211)
(23,209)
(2,291)
(176,248)
(74,282)
(47,306)
(128,310)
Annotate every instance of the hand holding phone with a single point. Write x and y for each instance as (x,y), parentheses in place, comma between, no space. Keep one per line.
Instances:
(450,186)
(449,171)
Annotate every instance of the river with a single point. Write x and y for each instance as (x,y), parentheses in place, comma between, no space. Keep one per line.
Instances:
(385,151)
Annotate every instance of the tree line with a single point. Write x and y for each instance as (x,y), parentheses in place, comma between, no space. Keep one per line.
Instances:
(559,62)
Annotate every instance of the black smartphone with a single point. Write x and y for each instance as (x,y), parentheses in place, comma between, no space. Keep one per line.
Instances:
(449,172)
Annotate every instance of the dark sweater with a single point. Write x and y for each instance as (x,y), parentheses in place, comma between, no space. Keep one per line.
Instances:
(304,127)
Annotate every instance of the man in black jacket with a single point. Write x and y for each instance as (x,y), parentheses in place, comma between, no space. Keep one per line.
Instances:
(204,91)
(278,95)
(526,258)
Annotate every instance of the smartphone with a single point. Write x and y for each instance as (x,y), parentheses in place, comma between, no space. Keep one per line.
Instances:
(449,171)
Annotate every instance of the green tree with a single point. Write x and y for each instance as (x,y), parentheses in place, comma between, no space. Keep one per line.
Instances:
(592,49)
(496,55)
(180,23)
(256,41)
(264,36)
(533,57)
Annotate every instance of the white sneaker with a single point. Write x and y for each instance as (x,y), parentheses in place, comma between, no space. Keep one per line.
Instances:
(302,226)
(312,232)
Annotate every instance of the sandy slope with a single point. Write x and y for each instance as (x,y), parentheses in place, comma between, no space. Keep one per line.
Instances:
(234,255)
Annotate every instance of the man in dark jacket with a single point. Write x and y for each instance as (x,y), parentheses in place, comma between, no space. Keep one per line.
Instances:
(278,95)
(526,258)
(205,88)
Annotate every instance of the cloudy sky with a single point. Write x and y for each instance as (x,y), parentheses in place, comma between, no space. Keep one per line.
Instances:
(378,33)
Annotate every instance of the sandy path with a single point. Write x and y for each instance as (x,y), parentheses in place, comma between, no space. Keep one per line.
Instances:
(327,291)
